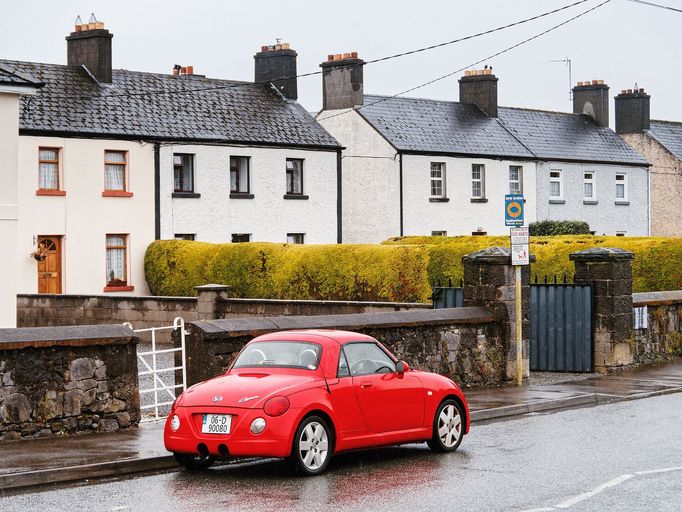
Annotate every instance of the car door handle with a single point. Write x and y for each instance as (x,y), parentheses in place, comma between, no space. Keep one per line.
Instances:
(366,385)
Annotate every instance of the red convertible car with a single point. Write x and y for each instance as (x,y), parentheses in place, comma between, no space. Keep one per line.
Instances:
(305,395)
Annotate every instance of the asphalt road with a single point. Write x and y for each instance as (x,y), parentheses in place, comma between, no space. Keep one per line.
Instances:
(624,457)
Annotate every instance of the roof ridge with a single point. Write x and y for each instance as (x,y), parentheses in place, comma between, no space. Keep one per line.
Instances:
(666,122)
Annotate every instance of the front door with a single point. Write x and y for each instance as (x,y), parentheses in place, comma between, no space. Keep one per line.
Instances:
(50,268)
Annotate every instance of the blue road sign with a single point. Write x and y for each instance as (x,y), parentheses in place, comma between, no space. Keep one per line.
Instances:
(513,210)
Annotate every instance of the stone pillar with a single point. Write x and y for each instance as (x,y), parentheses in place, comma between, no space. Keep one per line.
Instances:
(208,298)
(489,281)
(609,272)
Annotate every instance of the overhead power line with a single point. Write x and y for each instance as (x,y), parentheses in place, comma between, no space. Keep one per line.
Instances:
(318,72)
(651,4)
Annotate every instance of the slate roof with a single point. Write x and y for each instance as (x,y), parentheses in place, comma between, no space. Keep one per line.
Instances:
(669,135)
(163,107)
(9,77)
(449,127)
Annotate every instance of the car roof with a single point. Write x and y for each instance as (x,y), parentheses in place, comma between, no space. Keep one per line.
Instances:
(322,336)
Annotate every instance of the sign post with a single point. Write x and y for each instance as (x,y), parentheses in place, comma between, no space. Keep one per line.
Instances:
(520,255)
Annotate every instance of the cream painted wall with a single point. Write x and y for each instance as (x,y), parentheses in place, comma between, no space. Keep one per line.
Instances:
(461,216)
(371,185)
(83,217)
(268,217)
(9,134)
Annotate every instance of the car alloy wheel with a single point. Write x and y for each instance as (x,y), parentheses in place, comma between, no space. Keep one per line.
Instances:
(447,427)
(312,446)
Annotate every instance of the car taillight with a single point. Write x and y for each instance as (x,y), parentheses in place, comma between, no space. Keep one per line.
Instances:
(276,406)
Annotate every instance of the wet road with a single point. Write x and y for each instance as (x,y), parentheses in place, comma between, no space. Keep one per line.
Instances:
(625,456)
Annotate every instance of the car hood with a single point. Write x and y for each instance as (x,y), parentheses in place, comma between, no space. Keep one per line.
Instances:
(246,389)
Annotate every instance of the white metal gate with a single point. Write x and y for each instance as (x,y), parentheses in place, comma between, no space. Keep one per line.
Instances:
(162,393)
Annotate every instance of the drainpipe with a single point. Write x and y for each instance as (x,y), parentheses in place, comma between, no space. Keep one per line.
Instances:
(339,198)
(400,166)
(157,191)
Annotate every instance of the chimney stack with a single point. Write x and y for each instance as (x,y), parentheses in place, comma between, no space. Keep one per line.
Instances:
(592,98)
(342,81)
(632,111)
(90,45)
(479,87)
(277,64)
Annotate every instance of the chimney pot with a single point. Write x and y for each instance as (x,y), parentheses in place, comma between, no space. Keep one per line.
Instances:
(264,48)
(346,55)
(353,55)
(190,70)
(285,46)
(629,91)
(337,56)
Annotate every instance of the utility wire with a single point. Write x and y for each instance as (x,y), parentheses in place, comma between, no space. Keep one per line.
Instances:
(656,5)
(313,73)
(496,54)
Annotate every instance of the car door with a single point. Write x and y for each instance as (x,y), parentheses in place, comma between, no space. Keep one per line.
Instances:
(389,401)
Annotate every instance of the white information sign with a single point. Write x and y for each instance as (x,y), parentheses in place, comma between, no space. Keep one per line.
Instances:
(520,251)
(519,236)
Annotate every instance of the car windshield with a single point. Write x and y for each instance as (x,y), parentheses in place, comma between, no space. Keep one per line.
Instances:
(289,354)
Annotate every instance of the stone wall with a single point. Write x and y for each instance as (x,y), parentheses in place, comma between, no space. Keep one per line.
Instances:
(459,342)
(662,336)
(60,380)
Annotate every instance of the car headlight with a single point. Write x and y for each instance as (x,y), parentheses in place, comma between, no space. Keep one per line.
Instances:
(175,423)
(257,426)
(276,406)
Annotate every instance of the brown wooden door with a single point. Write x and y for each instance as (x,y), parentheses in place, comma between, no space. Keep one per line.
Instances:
(50,269)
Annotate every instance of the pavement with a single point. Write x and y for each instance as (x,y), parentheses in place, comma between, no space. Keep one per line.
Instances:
(36,462)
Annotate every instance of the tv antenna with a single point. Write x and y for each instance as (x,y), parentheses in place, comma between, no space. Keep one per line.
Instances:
(567,61)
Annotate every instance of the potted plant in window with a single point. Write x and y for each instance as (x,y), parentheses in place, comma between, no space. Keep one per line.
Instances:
(115,281)
(40,253)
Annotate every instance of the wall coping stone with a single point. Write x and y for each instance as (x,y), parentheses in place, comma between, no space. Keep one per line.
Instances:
(254,326)
(78,335)
(492,256)
(312,302)
(105,296)
(657,298)
(602,254)
(211,287)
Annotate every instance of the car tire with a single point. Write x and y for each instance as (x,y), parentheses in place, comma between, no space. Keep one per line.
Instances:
(448,427)
(312,447)
(194,462)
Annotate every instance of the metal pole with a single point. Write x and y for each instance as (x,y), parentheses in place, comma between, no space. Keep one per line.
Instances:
(156,393)
(519,326)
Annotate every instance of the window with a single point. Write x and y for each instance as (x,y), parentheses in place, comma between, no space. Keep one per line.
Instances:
(621,187)
(117,266)
(478,181)
(515,179)
(437,179)
(185,236)
(589,192)
(439,233)
(239,175)
(367,359)
(621,233)
(343,370)
(294,176)
(295,238)
(183,170)
(48,168)
(238,238)
(480,232)
(555,189)
(115,170)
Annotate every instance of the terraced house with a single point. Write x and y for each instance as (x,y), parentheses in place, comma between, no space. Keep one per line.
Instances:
(415,166)
(110,160)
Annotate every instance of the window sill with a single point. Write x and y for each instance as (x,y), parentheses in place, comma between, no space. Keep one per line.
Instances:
(188,195)
(295,196)
(116,193)
(118,288)
(438,199)
(479,200)
(590,201)
(622,203)
(557,201)
(50,192)
(241,195)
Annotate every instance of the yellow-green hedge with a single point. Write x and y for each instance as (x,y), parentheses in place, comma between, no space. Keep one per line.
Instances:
(397,270)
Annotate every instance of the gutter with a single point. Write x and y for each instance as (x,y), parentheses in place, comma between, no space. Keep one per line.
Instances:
(400,178)
(157,191)
(339,197)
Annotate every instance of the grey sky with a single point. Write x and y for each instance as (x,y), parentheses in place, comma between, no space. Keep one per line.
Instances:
(621,43)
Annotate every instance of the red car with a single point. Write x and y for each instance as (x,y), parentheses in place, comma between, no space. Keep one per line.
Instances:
(305,395)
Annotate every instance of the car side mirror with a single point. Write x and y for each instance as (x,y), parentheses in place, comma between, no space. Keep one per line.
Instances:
(402,367)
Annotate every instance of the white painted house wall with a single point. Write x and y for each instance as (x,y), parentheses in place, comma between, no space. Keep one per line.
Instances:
(459,215)
(83,217)
(371,186)
(606,217)
(268,217)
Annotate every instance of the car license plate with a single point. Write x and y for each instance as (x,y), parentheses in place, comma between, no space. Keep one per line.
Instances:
(216,424)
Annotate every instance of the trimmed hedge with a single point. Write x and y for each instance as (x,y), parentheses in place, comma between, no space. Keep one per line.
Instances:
(558,227)
(399,270)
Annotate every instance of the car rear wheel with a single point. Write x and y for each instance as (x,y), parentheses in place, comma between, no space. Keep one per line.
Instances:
(312,446)
(194,462)
(447,427)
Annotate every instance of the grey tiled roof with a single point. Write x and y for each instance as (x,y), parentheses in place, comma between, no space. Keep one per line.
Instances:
(414,124)
(669,134)
(432,126)
(157,106)
(10,77)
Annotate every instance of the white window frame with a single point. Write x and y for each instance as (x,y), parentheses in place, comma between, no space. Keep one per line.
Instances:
(442,179)
(439,233)
(519,179)
(480,180)
(623,199)
(560,181)
(593,182)
(293,237)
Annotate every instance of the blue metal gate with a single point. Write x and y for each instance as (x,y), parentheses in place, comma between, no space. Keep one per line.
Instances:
(447,297)
(561,328)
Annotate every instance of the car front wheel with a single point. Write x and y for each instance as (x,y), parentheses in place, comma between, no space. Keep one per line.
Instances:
(447,427)
(194,462)
(312,446)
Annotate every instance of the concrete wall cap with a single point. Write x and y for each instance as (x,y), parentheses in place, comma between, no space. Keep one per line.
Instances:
(601,254)
(66,335)
(213,287)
